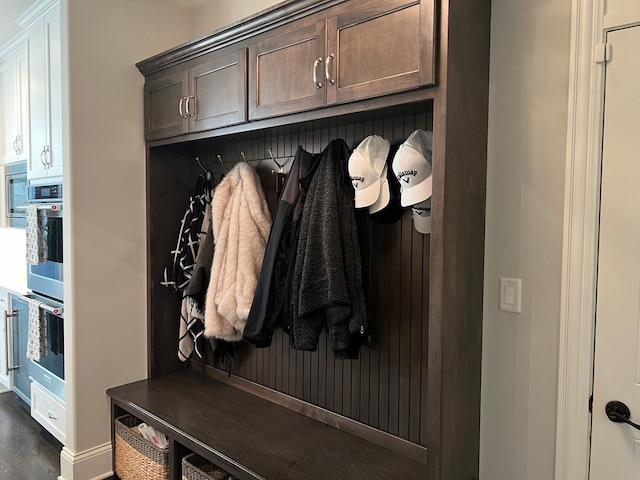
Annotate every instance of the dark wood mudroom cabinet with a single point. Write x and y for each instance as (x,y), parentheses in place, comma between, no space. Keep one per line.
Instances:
(409,406)
(371,49)
(209,94)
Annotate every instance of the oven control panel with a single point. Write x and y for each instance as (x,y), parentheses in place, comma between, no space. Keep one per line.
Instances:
(45,193)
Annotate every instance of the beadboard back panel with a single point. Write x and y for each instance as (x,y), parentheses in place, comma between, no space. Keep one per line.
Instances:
(385,388)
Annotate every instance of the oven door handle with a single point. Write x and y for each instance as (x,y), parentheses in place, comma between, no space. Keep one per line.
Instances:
(57,311)
(53,207)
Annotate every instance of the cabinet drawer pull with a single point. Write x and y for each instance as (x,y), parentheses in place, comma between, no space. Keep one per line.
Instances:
(15,145)
(189,113)
(19,144)
(52,416)
(317,62)
(327,65)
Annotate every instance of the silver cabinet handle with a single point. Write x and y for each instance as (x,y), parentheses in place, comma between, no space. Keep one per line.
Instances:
(180,107)
(52,416)
(189,113)
(332,81)
(317,62)
(43,154)
(19,145)
(7,316)
(15,145)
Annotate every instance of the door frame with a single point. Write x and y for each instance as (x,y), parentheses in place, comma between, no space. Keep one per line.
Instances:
(589,28)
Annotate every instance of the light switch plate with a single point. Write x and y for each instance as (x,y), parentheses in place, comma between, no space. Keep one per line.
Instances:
(511,295)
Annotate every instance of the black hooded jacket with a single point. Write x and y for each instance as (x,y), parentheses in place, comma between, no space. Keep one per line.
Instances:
(271,303)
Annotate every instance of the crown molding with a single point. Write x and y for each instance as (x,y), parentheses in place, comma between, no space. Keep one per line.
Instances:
(35,11)
(261,22)
(12,46)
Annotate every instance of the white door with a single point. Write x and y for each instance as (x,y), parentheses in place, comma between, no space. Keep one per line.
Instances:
(615,447)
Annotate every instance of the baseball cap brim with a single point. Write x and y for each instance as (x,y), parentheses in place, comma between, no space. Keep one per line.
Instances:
(367,196)
(416,194)
(422,223)
(422,216)
(383,198)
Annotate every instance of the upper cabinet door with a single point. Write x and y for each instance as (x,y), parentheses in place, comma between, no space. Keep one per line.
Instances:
(45,96)
(380,47)
(372,48)
(211,94)
(165,110)
(286,72)
(9,109)
(217,92)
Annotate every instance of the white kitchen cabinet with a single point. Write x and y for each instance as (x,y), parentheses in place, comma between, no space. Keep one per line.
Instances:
(49,411)
(14,105)
(45,95)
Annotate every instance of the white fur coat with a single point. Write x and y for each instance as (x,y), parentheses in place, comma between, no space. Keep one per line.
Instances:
(241,225)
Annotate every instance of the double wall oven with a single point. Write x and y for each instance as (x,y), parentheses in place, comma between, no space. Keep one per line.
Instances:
(45,285)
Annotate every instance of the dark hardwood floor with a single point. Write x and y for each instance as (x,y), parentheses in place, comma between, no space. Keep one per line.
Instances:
(27,451)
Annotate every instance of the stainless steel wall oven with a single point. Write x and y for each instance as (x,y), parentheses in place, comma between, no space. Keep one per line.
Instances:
(47,278)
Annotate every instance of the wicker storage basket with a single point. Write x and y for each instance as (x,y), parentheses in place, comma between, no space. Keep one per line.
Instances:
(137,458)
(194,467)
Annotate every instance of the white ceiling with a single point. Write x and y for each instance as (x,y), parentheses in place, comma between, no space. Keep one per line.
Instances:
(10,10)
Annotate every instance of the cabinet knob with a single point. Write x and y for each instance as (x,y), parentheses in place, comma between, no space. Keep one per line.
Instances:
(317,62)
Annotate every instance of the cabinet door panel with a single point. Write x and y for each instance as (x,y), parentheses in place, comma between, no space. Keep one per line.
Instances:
(45,96)
(379,48)
(162,97)
(38,108)
(9,97)
(54,63)
(219,89)
(23,110)
(281,72)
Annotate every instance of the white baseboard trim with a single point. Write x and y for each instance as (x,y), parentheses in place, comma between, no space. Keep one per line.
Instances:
(92,464)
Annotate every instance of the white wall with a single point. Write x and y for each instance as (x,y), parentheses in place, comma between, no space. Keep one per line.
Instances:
(221,13)
(525,200)
(105,178)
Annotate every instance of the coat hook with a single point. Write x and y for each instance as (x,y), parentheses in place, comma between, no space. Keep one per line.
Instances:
(200,163)
(280,166)
(220,159)
(206,172)
(243,156)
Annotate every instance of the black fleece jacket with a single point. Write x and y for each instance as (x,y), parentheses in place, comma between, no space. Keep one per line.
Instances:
(327,288)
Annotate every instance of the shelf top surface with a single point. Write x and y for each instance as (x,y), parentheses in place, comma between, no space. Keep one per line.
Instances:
(257,437)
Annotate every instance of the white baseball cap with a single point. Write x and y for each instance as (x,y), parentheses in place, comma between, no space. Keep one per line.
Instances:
(422,216)
(412,167)
(385,195)
(367,169)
